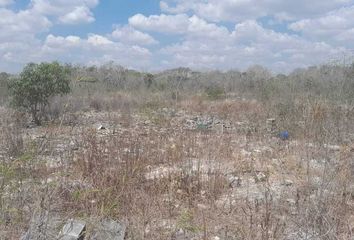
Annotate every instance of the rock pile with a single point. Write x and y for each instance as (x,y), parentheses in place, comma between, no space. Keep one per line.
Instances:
(207,123)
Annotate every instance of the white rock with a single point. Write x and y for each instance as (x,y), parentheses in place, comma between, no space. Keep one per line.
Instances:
(109,230)
(73,229)
(101,127)
(288,182)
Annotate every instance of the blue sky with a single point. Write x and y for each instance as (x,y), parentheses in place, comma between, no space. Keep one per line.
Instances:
(152,35)
(112,12)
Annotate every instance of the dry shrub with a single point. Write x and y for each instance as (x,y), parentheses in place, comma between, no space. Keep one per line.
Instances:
(194,103)
(113,171)
(116,101)
(11,139)
(115,168)
(96,104)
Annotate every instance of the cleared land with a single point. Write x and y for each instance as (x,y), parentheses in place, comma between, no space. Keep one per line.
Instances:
(176,164)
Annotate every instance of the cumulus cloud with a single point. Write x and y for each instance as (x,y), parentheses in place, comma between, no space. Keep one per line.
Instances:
(21,30)
(61,43)
(238,10)
(248,44)
(96,49)
(5,2)
(78,15)
(178,24)
(194,34)
(129,35)
(21,24)
(98,40)
(334,26)
(160,23)
(66,11)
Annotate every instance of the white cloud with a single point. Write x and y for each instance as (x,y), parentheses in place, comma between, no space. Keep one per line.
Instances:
(21,25)
(160,23)
(58,42)
(335,26)
(20,40)
(195,34)
(249,44)
(179,24)
(200,27)
(96,49)
(67,11)
(80,14)
(5,2)
(129,35)
(239,10)
(97,40)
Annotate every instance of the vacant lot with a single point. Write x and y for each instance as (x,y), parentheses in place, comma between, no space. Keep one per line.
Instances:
(178,161)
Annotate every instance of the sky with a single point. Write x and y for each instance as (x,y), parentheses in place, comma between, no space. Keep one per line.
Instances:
(153,35)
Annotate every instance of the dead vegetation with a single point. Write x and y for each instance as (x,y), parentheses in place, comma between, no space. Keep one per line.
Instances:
(184,167)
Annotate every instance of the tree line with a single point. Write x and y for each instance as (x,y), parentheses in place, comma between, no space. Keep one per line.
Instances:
(37,84)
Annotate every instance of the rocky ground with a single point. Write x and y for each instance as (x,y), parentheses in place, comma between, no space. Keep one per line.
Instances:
(173,173)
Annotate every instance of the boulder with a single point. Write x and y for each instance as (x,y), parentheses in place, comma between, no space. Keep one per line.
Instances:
(109,230)
(73,230)
(43,226)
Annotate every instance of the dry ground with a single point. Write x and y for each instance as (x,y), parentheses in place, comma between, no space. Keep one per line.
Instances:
(197,170)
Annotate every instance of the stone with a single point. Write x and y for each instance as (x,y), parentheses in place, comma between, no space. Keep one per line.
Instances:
(234,181)
(332,147)
(202,206)
(43,226)
(291,201)
(288,183)
(260,177)
(73,230)
(109,230)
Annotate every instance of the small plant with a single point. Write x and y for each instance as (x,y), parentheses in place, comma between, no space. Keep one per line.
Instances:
(185,222)
(215,92)
(4,79)
(11,138)
(148,80)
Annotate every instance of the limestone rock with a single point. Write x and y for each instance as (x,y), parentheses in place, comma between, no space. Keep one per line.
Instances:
(288,182)
(73,230)
(109,230)
(43,226)
(260,177)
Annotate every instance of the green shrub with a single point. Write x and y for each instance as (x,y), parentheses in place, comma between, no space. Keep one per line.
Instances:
(36,85)
(215,92)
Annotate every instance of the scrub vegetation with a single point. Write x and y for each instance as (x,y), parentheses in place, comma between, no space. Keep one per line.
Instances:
(180,154)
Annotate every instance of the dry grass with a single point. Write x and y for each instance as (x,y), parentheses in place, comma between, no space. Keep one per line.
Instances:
(171,182)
